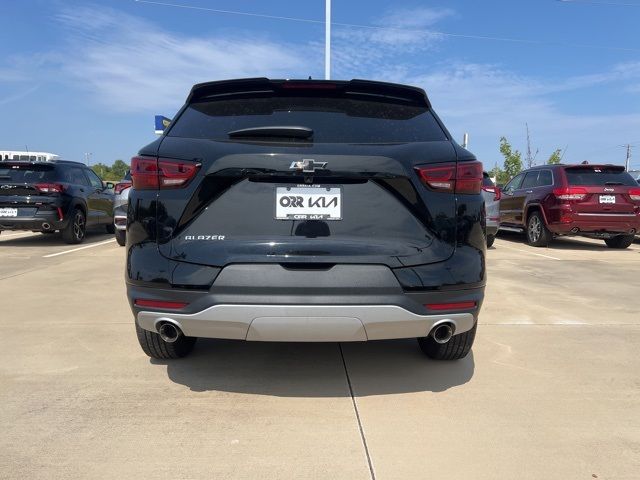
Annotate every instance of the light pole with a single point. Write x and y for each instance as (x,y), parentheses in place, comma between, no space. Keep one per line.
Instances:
(327,41)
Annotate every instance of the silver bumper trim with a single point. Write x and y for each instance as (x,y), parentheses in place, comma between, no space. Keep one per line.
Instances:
(305,323)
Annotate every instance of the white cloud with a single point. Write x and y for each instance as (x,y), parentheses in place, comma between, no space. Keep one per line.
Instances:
(357,50)
(489,102)
(129,64)
(14,97)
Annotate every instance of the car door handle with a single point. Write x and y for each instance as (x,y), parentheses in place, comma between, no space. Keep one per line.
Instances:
(529,191)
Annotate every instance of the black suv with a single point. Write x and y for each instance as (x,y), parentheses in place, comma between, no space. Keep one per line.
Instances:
(53,195)
(287,210)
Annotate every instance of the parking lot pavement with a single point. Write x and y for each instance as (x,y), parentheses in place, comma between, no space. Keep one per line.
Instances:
(22,252)
(550,390)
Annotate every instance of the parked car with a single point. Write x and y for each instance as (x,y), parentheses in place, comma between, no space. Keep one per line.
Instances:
(54,195)
(595,201)
(635,174)
(491,194)
(120,204)
(288,210)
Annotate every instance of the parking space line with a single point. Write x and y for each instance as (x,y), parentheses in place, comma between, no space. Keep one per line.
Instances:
(531,253)
(372,472)
(79,248)
(5,235)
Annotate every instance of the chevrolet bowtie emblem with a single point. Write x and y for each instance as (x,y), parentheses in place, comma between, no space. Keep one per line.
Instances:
(308,165)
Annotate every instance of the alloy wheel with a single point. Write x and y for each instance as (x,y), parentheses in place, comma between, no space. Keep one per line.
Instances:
(535,229)
(78,226)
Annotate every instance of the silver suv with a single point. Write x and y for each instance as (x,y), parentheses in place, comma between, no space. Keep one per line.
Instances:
(491,194)
(120,203)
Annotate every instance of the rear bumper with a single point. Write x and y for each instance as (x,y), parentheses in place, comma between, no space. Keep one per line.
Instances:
(305,323)
(120,216)
(597,224)
(268,302)
(34,223)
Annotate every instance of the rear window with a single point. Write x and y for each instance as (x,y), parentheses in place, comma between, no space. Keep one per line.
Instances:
(598,176)
(333,120)
(26,173)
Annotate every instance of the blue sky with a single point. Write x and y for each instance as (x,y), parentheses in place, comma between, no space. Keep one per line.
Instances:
(81,76)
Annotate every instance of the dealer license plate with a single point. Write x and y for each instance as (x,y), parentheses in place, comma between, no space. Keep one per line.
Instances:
(308,203)
(607,199)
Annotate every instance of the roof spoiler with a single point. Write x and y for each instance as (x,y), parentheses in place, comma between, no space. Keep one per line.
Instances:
(394,91)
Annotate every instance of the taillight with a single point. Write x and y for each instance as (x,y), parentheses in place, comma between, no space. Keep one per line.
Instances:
(497,193)
(120,187)
(148,173)
(50,187)
(634,194)
(141,302)
(570,194)
(461,177)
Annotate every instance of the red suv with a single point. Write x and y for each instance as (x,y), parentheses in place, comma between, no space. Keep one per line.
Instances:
(596,201)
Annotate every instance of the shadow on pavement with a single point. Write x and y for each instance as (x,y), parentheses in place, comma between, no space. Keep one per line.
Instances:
(562,243)
(315,369)
(51,240)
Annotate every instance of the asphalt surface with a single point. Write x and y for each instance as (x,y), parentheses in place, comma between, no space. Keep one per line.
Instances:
(550,390)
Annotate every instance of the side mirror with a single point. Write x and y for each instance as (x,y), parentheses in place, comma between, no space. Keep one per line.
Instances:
(109,185)
(161,124)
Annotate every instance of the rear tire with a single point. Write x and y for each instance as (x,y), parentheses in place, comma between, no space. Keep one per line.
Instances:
(121,237)
(455,349)
(111,228)
(619,241)
(75,230)
(153,345)
(538,235)
(490,240)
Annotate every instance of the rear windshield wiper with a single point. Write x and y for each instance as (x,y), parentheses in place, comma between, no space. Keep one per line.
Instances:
(613,183)
(272,132)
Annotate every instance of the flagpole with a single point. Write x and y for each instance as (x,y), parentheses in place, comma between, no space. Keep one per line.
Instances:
(327,41)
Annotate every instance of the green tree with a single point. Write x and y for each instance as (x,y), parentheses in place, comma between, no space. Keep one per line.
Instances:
(555,157)
(499,174)
(113,173)
(512,158)
(101,170)
(119,168)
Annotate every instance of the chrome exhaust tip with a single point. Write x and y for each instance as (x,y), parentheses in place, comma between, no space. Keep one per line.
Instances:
(46,226)
(442,333)
(169,332)
(575,230)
